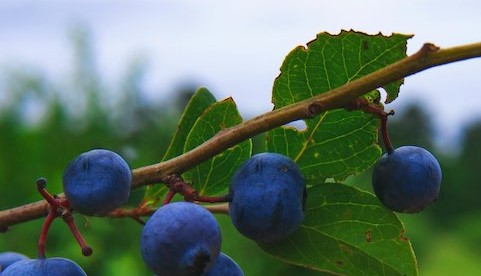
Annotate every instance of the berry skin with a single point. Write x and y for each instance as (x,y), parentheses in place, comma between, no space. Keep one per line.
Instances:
(224,266)
(407,180)
(180,238)
(8,258)
(267,197)
(97,181)
(44,267)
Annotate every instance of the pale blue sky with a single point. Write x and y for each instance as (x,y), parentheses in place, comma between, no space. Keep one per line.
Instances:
(235,48)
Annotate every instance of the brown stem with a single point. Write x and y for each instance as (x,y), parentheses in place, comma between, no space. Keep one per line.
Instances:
(428,56)
(176,184)
(136,213)
(377,110)
(385,134)
(218,208)
(132,213)
(212,199)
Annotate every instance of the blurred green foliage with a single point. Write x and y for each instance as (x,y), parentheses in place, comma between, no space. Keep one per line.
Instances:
(44,124)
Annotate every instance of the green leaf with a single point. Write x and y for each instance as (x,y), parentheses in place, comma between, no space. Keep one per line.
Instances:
(330,61)
(213,176)
(336,143)
(347,231)
(199,102)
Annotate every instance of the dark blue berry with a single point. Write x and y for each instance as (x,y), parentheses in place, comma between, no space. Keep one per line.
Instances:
(44,267)
(9,257)
(97,182)
(407,180)
(224,266)
(180,238)
(267,197)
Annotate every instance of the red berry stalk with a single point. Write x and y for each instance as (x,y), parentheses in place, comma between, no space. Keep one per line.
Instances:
(59,207)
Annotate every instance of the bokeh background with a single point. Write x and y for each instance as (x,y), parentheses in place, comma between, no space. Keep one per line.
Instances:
(75,75)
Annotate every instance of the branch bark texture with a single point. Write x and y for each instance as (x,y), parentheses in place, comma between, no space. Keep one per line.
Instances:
(427,57)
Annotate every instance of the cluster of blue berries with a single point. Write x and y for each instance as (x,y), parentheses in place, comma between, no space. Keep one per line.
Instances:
(95,183)
(266,197)
(266,204)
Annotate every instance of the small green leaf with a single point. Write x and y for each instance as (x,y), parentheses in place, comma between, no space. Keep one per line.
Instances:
(199,102)
(330,61)
(213,176)
(336,143)
(347,231)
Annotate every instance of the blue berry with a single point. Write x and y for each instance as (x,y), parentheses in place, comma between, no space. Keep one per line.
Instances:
(224,266)
(267,197)
(97,182)
(8,258)
(44,267)
(180,238)
(407,180)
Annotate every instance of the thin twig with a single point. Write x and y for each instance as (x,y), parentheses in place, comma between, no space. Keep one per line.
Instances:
(427,57)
